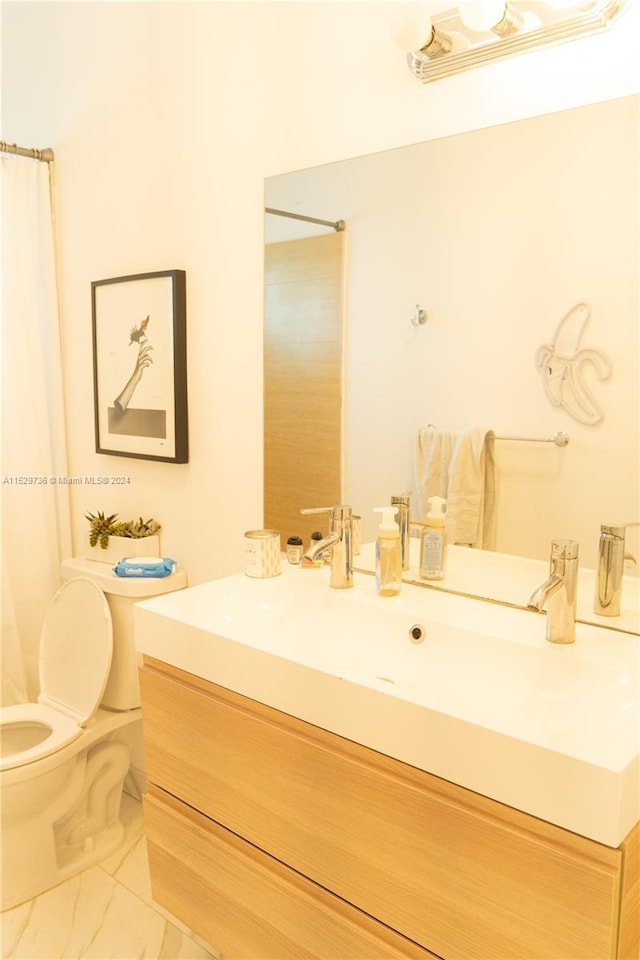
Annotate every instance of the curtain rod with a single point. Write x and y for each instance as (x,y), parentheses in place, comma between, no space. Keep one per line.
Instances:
(337,225)
(46,155)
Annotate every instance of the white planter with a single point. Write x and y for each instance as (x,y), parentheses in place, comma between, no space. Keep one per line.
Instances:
(119,547)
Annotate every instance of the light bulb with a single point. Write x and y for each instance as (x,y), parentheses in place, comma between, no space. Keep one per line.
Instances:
(482,15)
(412,29)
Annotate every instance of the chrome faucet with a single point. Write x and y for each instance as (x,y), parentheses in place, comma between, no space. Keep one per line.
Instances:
(339,541)
(402,502)
(559,592)
(611,557)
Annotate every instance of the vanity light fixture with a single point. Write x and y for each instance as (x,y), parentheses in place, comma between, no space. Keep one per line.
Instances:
(475,32)
(413,29)
(480,16)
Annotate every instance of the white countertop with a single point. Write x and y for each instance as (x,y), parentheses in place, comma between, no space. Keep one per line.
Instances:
(485,701)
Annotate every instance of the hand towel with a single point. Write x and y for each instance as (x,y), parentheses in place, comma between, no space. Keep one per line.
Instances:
(471,515)
(459,466)
(434,449)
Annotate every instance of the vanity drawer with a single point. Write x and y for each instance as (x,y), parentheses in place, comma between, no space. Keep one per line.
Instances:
(248,905)
(462,875)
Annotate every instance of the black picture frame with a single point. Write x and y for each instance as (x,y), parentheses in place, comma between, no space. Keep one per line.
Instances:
(140,366)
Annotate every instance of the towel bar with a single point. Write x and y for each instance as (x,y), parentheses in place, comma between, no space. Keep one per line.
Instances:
(561,439)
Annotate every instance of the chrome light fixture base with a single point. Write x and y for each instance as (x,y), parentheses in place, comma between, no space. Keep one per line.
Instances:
(527,24)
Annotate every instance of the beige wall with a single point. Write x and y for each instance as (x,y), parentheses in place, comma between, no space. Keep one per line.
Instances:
(165,119)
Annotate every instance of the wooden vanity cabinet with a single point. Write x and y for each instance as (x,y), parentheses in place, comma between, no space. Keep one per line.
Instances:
(272,838)
(248,904)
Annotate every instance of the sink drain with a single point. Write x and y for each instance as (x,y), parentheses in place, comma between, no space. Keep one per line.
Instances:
(417,633)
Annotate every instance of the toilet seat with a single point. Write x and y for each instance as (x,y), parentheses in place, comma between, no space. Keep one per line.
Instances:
(76,645)
(62,730)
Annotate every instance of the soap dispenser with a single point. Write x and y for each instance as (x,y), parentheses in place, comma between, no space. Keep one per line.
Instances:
(388,554)
(433,543)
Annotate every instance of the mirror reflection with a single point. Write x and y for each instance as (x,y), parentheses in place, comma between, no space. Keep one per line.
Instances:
(492,238)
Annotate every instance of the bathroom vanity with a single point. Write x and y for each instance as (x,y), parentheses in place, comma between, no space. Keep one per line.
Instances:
(319,786)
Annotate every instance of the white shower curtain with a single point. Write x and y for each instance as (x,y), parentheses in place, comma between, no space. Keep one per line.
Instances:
(35,510)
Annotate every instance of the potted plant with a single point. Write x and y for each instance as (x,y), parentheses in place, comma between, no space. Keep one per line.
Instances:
(111,539)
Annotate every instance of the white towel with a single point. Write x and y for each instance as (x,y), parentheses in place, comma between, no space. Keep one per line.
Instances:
(459,465)
(434,450)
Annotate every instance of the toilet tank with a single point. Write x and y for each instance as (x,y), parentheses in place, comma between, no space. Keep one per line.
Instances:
(122,691)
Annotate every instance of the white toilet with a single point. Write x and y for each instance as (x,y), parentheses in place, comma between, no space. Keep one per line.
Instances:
(64,759)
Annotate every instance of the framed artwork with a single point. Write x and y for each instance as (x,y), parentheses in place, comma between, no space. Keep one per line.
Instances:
(140,366)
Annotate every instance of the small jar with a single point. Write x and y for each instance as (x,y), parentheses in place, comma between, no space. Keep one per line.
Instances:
(294,549)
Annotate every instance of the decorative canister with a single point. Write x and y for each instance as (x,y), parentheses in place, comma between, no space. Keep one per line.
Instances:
(262,553)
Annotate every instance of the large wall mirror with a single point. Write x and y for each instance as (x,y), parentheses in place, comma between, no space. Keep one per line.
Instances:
(497,234)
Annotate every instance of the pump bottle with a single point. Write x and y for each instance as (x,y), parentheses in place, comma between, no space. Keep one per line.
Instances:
(388,554)
(433,543)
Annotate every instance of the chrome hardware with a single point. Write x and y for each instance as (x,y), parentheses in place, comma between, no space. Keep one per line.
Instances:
(559,592)
(339,541)
(611,557)
(402,504)
(419,317)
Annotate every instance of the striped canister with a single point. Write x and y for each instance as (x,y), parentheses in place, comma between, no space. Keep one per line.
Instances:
(262,553)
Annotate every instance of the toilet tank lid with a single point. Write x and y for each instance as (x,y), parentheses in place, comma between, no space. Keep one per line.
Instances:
(107,580)
(76,645)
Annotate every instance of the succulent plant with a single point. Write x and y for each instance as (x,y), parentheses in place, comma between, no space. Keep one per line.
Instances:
(135,528)
(102,527)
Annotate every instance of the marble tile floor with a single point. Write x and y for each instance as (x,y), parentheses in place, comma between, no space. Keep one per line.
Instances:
(104,913)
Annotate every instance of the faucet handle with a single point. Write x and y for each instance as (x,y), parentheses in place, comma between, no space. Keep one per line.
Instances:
(340,512)
(610,531)
(564,549)
(617,529)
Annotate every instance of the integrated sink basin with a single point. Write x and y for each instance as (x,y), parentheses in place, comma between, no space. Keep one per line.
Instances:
(480,699)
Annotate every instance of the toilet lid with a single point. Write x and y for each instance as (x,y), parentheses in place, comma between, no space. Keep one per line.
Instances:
(76,645)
